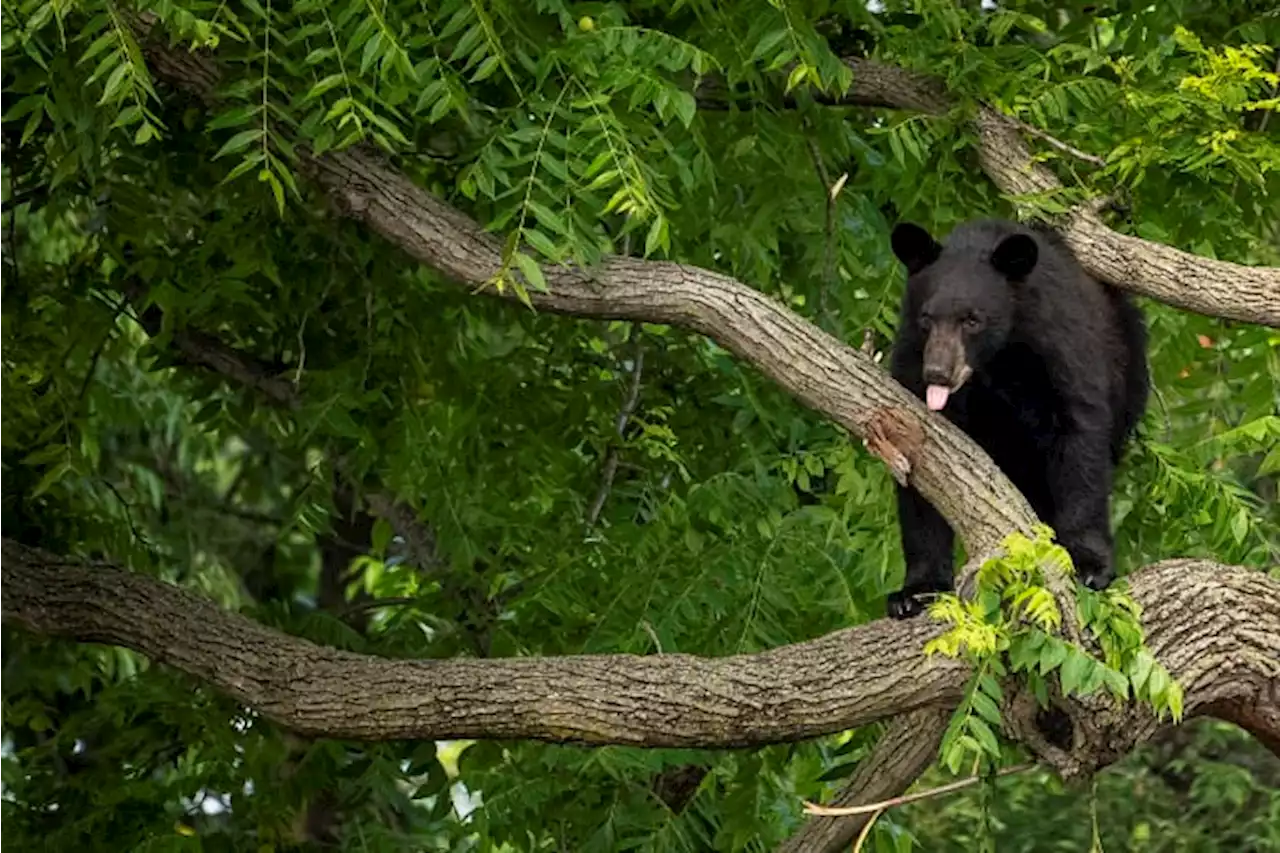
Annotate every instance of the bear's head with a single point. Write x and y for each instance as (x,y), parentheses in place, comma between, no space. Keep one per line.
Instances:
(960,298)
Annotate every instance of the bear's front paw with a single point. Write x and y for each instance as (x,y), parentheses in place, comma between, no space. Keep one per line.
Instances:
(1094,570)
(904,605)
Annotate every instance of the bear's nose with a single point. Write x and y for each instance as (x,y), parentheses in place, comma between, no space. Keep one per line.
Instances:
(936,374)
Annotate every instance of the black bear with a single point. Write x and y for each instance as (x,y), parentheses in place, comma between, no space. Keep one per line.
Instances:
(1044,367)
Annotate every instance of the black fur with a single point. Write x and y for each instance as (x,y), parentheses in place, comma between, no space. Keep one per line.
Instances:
(1059,383)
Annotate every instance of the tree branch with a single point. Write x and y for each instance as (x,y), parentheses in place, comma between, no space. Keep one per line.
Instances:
(829,684)
(903,752)
(1195,283)
(610,467)
(1216,628)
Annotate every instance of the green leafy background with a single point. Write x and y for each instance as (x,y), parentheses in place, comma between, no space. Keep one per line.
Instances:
(737,520)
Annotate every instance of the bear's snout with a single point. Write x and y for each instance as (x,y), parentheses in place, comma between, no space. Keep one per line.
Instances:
(945,361)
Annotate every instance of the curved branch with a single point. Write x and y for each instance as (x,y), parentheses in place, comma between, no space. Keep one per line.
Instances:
(1226,654)
(836,682)
(818,369)
(1193,282)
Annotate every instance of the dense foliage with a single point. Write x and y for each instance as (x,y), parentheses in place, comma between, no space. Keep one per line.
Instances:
(142,226)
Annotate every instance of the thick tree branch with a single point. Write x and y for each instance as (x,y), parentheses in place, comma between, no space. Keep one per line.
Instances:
(1216,628)
(829,684)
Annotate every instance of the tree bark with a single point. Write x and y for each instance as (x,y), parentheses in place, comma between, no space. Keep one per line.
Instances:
(828,684)
(1216,628)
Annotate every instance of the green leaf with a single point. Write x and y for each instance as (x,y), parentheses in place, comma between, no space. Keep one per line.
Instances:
(685,105)
(532,271)
(486,69)
(381,536)
(114,83)
(984,736)
(1075,672)
(986,708)
(1053,654)
(657,236)
(1140,670)
(767,44)
(239,142)
(324,85)
(276,189)
(1240,525)
(234,117)
(541,243)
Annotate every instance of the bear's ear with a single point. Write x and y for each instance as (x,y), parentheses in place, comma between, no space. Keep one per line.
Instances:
(1016,256)
(914,247)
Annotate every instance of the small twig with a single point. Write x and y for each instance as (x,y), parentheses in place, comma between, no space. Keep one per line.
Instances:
(610,468)
(102,345)
(847,811)
(302,329)
(1266,114)
(653,635)
(373,604)
(829,247)
(866,830)
(20,198)
(128,513)
(1054,142)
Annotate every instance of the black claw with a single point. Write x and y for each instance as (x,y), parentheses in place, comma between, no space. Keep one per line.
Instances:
(1096,580)
(903,606)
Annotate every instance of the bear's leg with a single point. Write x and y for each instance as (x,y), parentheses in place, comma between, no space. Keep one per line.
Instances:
(926,543)
(1080,472)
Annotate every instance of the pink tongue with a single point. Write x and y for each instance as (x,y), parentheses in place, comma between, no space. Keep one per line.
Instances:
(936,397)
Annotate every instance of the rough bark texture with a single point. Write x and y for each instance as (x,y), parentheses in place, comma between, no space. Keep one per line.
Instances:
(832,683)
(1226,657)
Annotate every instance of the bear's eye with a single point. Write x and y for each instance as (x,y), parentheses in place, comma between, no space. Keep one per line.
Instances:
(925,322)
(971,322)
